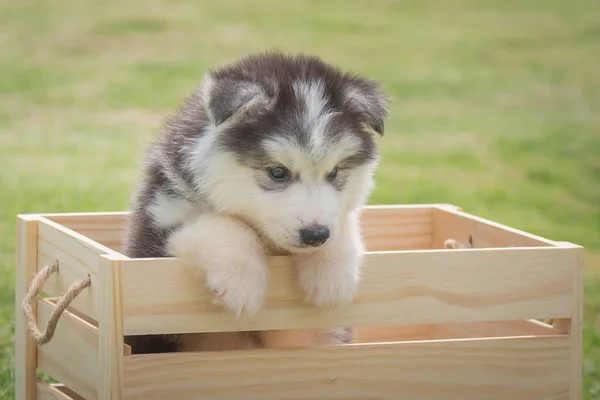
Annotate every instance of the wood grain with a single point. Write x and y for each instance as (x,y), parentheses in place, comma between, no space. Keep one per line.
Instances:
(504,368)
(420,287)
(111,329)
(576,321)
(25,348)
(105,228)
(466,330)
(47,391)
(458,225)
(492,329)
(389,228)
(71,357)
(394,333)
(396,227)
(77,256)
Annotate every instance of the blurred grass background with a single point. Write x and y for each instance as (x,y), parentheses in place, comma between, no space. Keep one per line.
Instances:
(497,106)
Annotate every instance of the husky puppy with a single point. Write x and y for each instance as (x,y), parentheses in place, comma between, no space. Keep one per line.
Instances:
(272,154)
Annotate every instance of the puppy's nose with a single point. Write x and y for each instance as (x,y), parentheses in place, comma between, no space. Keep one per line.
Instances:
(314,235)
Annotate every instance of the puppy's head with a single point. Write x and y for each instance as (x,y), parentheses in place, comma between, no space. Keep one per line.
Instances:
(292,146)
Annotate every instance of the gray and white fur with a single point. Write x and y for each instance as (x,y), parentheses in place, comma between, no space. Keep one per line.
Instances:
(272,154)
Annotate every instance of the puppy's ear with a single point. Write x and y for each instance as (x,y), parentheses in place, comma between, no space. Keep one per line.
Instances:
(230,99)
(367,97)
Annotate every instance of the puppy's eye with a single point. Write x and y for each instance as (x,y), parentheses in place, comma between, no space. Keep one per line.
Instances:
(278,173)
(333,174)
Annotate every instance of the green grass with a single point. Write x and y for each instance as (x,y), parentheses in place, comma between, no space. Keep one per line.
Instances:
(497,107)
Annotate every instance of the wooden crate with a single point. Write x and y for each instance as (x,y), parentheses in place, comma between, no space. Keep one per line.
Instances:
(432,323)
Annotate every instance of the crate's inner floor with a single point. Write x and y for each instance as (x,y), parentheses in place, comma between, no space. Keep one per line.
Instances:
(424,332)
(384,229)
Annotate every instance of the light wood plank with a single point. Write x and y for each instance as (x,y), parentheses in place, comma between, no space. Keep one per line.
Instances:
(114,219)
(458,225)
(491,329)
(509,368)
(419,287)
(389,228)
(25,347)
(71,357)
(395,227)
(66,218)
(77,256)
(393,333)
(466,330)
(402,333)
(106,228)
(111,329)
(47,391)
(82,239)
(575,327)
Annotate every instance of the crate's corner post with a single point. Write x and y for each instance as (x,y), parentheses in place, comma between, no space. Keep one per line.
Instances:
(576,328)
(25,346)
(574,325)
(110,325)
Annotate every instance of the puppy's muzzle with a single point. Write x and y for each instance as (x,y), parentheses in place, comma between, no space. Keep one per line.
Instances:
(314,236)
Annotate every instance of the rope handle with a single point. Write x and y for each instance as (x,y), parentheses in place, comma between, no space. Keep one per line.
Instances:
(43,337)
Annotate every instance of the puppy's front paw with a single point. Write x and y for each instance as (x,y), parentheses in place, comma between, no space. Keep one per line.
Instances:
(228,254)
(240,285)
(329,276)
(327,290)
(328,280)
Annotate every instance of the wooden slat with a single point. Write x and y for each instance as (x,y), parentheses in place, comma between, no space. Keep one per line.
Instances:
(391,228)
(467,330)
(493,369)
(77,256)
(384,227)
(68,219)
(393,333)
(25,348)
(47,391)
(491,329)
(450,223)
(413,287)
(106,228)
(71,357)
(84,241)
(111,329)
(402,333)
(576,321)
